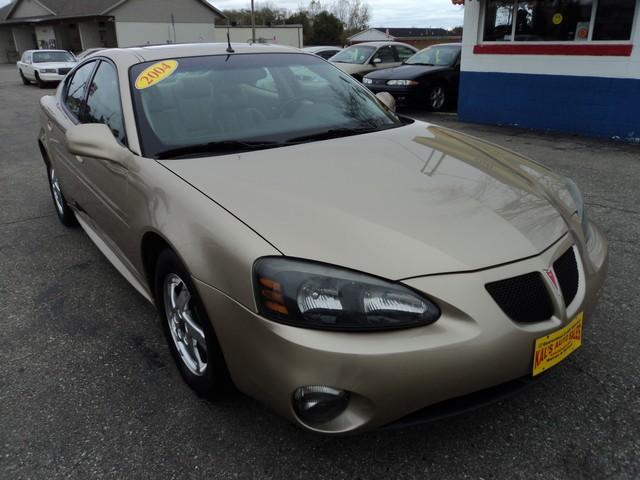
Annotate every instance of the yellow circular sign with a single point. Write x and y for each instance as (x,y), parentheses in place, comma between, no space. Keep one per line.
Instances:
(557,19)
(155,73)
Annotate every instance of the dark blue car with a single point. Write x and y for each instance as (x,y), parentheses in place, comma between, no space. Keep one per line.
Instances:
(429,78)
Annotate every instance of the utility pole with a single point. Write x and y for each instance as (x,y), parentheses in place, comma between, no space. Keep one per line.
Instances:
(253,23)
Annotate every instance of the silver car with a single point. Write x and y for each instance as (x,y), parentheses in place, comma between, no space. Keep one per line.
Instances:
(344,265)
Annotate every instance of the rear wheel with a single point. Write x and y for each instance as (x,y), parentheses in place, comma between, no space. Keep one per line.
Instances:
(436,98)
(24,79)
(64,212)
(187,328)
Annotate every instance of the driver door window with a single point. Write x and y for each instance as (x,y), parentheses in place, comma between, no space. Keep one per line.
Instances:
(76,89)
(103,101)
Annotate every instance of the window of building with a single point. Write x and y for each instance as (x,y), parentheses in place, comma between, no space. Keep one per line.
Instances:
(614,20)
(103,101)
(557,20)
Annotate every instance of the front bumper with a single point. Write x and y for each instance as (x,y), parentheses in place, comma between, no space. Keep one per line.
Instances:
(51,77)
(402,94)
(472,347)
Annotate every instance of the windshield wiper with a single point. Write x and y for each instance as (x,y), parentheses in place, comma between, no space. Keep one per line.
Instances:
(335,133)
(224,146)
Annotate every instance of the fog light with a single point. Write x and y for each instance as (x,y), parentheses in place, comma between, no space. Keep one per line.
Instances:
(318,404)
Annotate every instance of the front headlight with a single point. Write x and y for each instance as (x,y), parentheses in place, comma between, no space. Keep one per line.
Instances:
(576,194)
(367,81)
(312,295)
(402,83)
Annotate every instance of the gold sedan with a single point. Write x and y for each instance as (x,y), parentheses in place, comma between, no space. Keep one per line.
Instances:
(345,265)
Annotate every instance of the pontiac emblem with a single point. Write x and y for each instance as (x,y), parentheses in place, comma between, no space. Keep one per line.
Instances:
(551,275)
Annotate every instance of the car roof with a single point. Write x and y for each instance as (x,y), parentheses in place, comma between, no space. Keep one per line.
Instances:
(446,45)
(380,44)
(146,53)
(324,47)
(48,50)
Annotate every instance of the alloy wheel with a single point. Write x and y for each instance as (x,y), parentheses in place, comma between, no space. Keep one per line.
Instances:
(437,97)
(187,335)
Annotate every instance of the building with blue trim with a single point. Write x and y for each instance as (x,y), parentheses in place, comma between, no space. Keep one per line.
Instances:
(565,65)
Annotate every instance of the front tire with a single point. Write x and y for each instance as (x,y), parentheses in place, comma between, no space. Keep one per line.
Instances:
(39,81)
(187,328)
(64,212)
(436,98)
(24,79)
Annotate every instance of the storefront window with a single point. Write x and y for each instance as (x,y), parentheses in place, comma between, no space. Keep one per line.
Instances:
(557,20)
(614,19)
(498,25)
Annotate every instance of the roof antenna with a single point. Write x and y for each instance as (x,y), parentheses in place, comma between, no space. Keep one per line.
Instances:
(229,48)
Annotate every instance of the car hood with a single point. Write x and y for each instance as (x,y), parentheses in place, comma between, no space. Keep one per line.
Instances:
(410,201)
(404,72)
(55,65)
(352,68)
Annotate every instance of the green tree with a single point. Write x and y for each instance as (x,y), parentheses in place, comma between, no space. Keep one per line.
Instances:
(327,29)
(301,17)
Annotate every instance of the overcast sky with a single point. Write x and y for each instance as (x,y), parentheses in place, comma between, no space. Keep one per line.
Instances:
(385,13)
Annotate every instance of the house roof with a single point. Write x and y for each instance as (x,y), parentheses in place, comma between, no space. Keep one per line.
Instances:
(412,32)
(405,33)
(80,8)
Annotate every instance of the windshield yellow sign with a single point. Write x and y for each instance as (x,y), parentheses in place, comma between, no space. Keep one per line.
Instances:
(154,74)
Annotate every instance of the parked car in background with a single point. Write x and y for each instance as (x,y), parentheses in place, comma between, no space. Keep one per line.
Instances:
(44,66)
(324,52)
(87,52)
(429,78)
(343,264)
(358,60)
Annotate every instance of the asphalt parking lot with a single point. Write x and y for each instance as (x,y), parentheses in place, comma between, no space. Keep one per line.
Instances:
(88,388)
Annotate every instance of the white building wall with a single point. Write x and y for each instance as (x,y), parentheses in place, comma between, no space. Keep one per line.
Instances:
(290,35)
(576,65)
(183,11)
(23,39)
(147,33)
(89,35)
(6,43)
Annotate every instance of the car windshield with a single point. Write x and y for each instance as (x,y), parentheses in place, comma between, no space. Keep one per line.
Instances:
(355,54)
(199,106)
(45,57)
(439,56)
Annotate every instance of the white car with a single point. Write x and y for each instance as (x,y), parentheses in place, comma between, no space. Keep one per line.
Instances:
(43,66)
(324,52)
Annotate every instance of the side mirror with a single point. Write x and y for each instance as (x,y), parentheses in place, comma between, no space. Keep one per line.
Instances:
(388,100)
(376,60)
(95,140)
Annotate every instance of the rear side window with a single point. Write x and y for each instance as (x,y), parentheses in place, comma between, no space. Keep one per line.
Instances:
(77,87)
(103,101)
(327,54)
(386,55)
(404,53)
